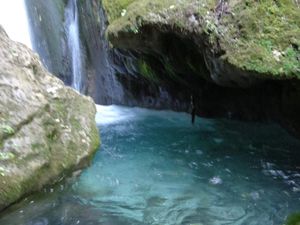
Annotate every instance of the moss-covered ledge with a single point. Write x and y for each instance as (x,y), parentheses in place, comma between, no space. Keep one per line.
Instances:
(229,35)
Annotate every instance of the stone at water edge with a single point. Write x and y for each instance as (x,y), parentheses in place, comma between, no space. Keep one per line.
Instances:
(47,130)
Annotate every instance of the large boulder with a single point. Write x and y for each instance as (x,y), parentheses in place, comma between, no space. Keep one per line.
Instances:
(47,130)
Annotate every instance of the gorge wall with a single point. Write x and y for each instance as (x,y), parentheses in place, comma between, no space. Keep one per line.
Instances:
(164,52)
(53,28)
(233,64)
(46,19)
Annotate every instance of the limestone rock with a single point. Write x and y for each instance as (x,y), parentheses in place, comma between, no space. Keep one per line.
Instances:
(47,130)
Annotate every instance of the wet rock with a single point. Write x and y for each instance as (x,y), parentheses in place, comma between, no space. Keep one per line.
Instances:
(216,51)
(49,39)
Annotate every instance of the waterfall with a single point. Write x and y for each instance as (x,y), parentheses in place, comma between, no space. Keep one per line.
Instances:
(72,28)
(13,18)
(70,38)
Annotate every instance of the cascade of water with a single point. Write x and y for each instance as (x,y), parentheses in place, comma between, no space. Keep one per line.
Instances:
(13,18)
(72,27)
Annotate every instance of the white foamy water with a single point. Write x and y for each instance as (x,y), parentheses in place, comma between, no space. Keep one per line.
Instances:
(72,22)
(113,114)
(13,18)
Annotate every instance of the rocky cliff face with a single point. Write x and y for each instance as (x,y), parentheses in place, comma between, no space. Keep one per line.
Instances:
(232,43)
(48,36)
(114,74)
(239,59)
(102,84)
(46,129)
(165,51)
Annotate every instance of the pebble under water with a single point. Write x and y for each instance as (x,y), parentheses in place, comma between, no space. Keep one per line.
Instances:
(154,167)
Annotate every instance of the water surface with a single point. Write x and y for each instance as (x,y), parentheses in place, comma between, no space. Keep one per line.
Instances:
(156,168)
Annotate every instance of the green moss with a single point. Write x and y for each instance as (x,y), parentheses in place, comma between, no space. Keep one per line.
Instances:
(9,192)
(75,123)
(6,129)
(37,146)
(95,141)
(6,156)
(258,36)
(146,71)
(114,8)
(170,70)
(263,36)
(134,12)
(59,108)
(3,171)
(293,219)
(52,134)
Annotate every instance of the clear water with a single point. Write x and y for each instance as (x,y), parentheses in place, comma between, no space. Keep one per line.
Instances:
(155,168)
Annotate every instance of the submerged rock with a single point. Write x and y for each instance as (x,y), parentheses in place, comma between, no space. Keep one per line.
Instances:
(47,130)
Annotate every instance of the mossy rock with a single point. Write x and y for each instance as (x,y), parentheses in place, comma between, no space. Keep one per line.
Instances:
(114,8)
(238,48)
(263,36)
(47,130)
(293,219)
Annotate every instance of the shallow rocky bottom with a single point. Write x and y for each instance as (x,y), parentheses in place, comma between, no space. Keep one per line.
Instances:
(156,168)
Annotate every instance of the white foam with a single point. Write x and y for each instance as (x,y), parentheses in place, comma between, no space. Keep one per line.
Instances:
(113,114)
